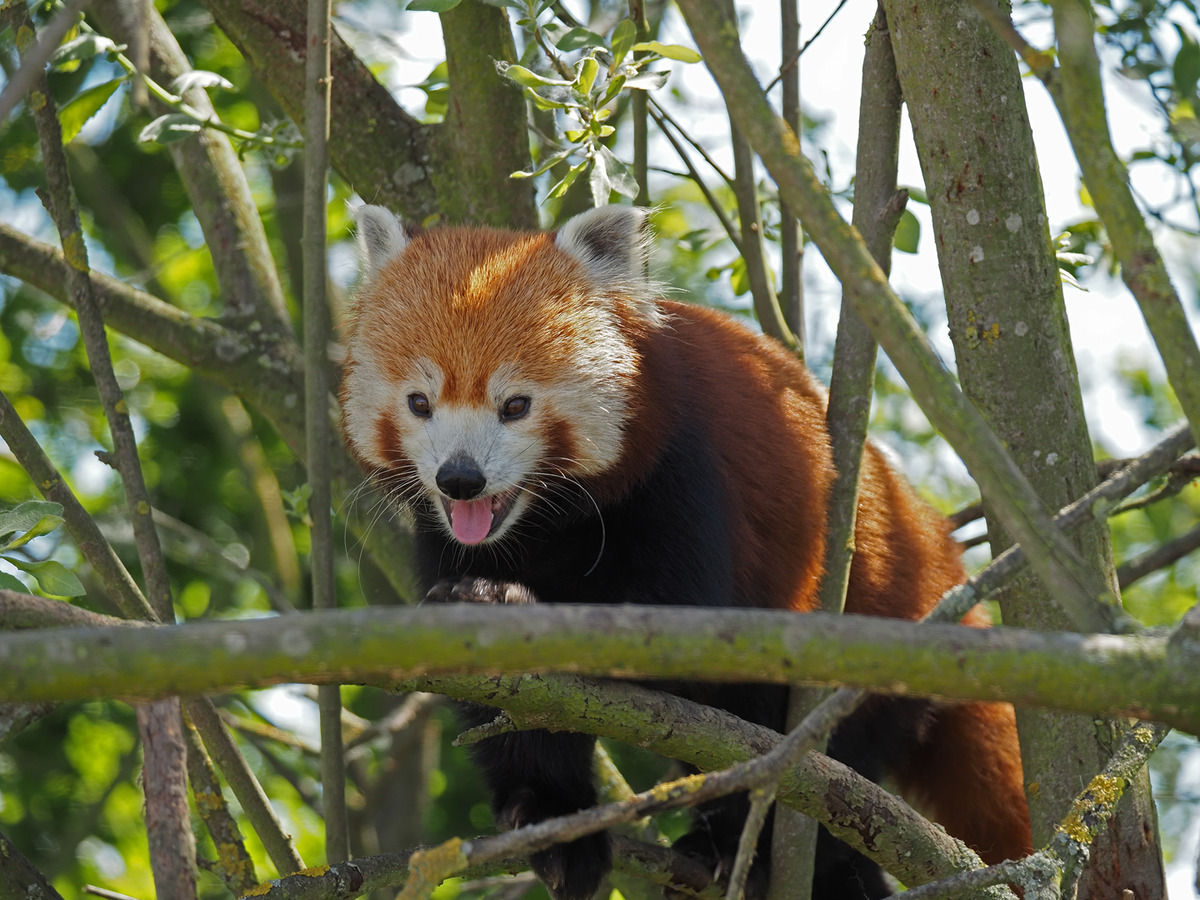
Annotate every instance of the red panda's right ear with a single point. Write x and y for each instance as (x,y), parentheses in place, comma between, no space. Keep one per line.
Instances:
(612,242)
(380,237)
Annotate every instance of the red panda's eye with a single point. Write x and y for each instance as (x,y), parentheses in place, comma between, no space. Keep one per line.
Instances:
(419,405)
(514,408)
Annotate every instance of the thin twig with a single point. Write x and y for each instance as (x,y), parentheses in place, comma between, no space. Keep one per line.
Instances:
(414,707)
(745,189)
(696,145)
(1097,502)
(1159,558)
(795,58)
(316,406)
(713,203)
(33,61)
(791,239)
(168,823)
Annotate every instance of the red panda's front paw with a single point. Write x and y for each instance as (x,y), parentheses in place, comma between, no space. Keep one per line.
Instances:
(574,871)
(570,871)
(478,590)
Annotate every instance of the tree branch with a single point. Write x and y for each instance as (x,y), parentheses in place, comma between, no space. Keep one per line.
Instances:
(381,151)
(317,331)
(1104,674)
(766,303)
(213,177)
(1079,96)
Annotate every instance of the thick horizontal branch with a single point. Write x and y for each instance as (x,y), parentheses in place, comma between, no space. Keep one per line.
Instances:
(1099,674)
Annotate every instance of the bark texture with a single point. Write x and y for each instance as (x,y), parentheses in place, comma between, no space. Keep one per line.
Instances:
(1015,362)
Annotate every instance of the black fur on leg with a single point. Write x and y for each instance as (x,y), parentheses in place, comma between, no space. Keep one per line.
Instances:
(538,775)
(714,837)
(841,873)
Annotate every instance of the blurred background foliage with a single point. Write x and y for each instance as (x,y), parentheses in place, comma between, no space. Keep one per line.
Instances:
(233,491)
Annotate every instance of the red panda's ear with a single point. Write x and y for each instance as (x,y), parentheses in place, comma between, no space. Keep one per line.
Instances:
(380,237)
(612,242)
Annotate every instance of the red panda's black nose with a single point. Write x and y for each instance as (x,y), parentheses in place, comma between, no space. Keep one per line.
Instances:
(459,478)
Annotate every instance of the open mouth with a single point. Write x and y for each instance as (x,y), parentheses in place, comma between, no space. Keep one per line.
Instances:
(474,521)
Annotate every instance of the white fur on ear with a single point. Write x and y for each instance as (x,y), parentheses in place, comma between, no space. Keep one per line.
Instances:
(380,237)
(612,242)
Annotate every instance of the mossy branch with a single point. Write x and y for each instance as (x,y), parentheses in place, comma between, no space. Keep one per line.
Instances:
(1079,96)
(381,151)
(1111,675)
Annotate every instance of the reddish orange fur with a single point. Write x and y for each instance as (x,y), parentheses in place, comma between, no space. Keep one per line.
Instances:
(520,299)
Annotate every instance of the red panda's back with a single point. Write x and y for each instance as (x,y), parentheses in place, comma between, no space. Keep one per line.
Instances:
(764,414)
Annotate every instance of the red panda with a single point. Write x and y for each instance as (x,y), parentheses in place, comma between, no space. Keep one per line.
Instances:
(560,434)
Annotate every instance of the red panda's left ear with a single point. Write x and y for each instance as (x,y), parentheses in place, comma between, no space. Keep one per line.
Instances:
(612,243)
(380,237)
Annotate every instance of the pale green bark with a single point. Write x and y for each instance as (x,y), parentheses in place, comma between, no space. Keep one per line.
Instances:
(1015,361)
(1104,674)
(1079,96)
(484,138)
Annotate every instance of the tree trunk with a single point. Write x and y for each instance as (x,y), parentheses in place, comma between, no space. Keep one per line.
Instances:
(1013,350)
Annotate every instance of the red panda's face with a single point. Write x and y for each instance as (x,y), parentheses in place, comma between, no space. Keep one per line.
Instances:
(484,370)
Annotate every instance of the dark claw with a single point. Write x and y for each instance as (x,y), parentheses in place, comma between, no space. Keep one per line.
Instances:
(478,590)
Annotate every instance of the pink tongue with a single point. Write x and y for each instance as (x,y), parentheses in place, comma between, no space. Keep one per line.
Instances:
(471,520)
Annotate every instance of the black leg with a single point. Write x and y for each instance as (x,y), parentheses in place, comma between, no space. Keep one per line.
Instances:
(537,775)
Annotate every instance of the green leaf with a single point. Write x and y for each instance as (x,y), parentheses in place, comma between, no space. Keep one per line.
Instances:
(623,37)
(567,180)
(199,78)
(1185,70)
(86,46)
(29,520)
(551,160)
(739,278)
(12,583)
(169,128)
(53,577)
(648,81)
(75,114)
(586,71)
(438,77)
(619,176)
(670,51)
(908,233)
(544,103)
(526,77)
(577,38)
(614,88)
(432,5)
